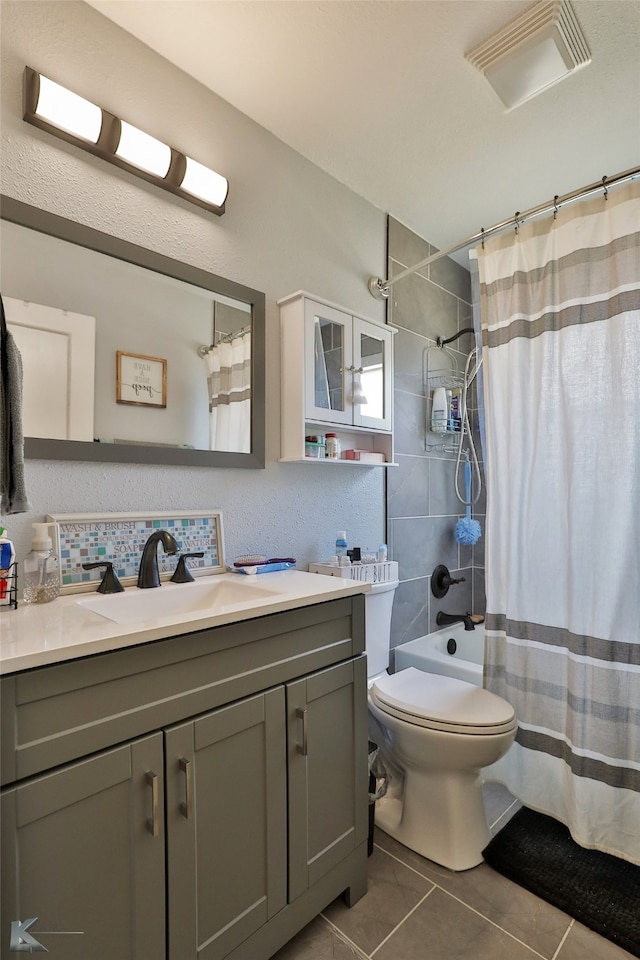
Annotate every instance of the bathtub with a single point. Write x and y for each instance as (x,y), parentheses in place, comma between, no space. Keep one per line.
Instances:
(430,653)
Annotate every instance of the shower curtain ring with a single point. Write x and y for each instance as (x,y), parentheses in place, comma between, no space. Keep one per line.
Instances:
(482,232)
(604,187)
(555,206)
(516,221)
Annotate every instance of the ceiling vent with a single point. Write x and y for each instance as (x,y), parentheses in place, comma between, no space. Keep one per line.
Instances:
(535,50)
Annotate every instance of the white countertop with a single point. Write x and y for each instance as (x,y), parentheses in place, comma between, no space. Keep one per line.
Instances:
(35,635)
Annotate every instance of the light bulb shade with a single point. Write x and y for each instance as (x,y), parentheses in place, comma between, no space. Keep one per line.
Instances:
(67,110)
(204,183)
(358,395)
(143,151)
(58,111)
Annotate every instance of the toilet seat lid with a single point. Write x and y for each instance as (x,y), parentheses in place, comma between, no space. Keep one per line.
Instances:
(444,702)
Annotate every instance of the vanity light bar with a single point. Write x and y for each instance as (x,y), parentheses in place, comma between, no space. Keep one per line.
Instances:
(53,108)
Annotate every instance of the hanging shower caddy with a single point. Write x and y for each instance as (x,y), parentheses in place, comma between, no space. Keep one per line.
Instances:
(441,372)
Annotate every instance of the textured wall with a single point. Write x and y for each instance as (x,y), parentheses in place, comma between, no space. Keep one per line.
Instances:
(288,226)
(422,506)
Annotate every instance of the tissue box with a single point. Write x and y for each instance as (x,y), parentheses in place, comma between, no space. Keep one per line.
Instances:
(364,456)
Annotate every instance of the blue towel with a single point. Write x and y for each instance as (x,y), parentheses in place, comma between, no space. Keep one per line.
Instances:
(13,494)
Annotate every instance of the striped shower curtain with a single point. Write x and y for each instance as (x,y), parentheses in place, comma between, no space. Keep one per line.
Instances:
(229,384)
(560,310)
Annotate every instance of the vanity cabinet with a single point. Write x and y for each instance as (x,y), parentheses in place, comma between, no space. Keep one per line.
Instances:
(336,376)
(233,811)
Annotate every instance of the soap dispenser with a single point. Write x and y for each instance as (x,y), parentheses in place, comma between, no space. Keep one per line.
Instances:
(41,571)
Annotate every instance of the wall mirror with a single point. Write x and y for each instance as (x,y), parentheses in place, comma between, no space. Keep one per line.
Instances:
(130,356)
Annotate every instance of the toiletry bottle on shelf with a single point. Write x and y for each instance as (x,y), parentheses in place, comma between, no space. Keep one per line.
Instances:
(439,411)
(332,446)
(454,411)
(7,558)
(341,544)
(41,572)
(382,553)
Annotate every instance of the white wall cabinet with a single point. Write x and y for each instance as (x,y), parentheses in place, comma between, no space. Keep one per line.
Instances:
(327,352)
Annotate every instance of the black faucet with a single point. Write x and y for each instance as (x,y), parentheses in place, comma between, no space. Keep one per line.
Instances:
(443,619)
(148,574)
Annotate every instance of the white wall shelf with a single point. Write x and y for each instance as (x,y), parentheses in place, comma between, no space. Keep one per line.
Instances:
(325,350)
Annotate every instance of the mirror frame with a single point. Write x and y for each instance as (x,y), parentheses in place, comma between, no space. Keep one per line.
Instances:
(38,448)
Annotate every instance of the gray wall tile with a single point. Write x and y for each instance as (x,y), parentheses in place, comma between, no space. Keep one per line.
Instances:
(449,274)
(410,618)
(420,543)
(409,361)
(479,595)
(408,487)
(423,307)
(422,507)
(442,495)
(405,246)
(409,419)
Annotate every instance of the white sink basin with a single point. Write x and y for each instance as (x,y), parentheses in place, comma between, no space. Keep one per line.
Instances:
(216,594)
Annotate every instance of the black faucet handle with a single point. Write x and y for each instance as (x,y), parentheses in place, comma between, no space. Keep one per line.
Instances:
(441,580)
(109,582)
(182,574)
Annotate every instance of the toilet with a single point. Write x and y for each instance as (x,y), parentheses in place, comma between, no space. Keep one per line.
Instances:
(435,735)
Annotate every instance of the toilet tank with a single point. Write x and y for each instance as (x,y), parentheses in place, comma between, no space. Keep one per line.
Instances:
(378,606)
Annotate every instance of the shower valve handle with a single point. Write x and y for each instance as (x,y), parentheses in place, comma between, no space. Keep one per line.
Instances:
(441,580)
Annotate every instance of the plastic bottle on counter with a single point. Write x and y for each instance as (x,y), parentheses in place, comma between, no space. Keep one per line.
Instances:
(382,553)
(341,544)
(41,571)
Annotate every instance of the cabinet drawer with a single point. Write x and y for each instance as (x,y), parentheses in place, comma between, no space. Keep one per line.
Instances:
(59,713)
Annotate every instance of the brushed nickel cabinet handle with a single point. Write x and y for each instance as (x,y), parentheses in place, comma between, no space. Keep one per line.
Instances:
(303,715)
(153,823)
(187,806)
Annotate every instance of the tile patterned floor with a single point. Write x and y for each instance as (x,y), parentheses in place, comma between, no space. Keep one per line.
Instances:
(417,910)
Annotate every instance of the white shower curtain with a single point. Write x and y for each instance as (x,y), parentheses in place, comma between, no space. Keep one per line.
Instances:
(560,309)
(229,383)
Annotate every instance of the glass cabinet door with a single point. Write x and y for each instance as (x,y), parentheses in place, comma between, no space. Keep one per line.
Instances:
(371,375)
(328,358)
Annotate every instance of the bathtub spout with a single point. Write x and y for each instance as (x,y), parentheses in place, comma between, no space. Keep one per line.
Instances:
(444,619)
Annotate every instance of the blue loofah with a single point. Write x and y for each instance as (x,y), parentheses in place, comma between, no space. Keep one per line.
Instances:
(466,529)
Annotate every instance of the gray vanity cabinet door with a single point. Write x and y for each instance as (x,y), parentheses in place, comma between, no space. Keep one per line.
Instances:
(226,826)
(79,854)
(327,753)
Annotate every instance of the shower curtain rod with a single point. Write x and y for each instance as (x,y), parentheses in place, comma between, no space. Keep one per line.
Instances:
(379,288)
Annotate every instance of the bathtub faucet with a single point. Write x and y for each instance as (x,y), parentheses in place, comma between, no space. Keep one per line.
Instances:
(444,619)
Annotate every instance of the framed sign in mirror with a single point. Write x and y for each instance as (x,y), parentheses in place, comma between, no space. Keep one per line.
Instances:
(141,380)
(149,309)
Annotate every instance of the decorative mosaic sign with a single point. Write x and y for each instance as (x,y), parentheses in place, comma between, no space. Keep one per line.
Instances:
(120,539)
